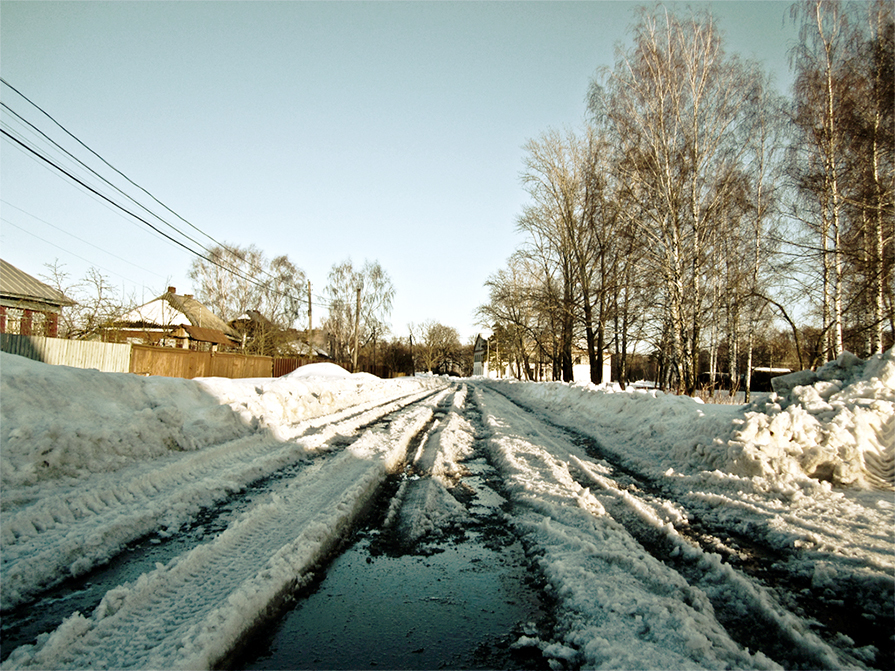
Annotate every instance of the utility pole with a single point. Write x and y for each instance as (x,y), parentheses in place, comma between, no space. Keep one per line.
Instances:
(356,331)
(310,325)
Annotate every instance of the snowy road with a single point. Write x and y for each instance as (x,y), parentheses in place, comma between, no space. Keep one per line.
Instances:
(643,566)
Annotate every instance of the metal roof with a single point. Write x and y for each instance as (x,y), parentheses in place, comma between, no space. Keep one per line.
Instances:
(19,285)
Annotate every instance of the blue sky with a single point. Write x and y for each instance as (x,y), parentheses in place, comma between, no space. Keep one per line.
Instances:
(387,131)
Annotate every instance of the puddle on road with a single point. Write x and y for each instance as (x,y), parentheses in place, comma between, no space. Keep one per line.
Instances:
(458,601)
(460,608)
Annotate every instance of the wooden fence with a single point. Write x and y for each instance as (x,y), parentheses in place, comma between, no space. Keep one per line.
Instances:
(103,356)
(140,359)
(174,362)
(285,366)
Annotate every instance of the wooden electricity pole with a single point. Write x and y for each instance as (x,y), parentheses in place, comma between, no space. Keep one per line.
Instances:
(356,332)
(310,325)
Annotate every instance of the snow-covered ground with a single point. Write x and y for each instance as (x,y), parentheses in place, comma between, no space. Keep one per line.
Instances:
(92,461)
(808,472)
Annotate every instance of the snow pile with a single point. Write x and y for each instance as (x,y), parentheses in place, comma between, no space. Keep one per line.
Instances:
(319,370)
(59,423)
(836,424)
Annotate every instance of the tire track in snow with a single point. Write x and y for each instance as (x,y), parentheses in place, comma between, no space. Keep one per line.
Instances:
(748,611)
(549,473)
(189,613)
(66,535)
(475,598)
(742,573)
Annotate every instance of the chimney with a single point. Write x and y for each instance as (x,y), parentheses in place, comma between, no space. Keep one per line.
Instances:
(188,295)
(172,290)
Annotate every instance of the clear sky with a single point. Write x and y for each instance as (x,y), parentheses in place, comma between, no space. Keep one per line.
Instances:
(388,131)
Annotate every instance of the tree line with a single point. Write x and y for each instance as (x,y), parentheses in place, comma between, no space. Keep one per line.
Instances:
(697,209)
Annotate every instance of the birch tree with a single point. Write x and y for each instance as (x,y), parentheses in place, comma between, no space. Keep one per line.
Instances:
(225,281)
(239,279)
(842,162)
(818,61)
(674,104)
(350,329)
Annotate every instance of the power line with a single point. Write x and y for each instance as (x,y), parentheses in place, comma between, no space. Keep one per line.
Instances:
(76,139)
(22,144)
(95,190)
(119,206)
(116,170)
(32,156)
(87,167)
(68,251)
(86,242)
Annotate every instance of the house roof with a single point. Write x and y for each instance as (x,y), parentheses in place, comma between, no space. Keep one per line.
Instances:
(253,316)
(171,310)
(205,335)
(18,285)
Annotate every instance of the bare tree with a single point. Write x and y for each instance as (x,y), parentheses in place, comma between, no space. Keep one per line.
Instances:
(818,60)
(520,310)
(843,164)
(97,302)
(674,105)
(555,224)
(350,329)
(242,279)
(869,123)
(437,345)
(230,283)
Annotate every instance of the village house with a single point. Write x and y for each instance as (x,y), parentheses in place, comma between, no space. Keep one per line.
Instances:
(27,305)
(175,320)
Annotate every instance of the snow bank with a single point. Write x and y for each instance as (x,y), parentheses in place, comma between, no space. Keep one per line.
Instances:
(59,423)
(90,461)
(835,424)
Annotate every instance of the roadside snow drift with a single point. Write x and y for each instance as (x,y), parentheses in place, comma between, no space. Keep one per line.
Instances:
(60,423)
(836,424)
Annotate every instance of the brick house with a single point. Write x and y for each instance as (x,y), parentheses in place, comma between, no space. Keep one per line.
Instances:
(27,305)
